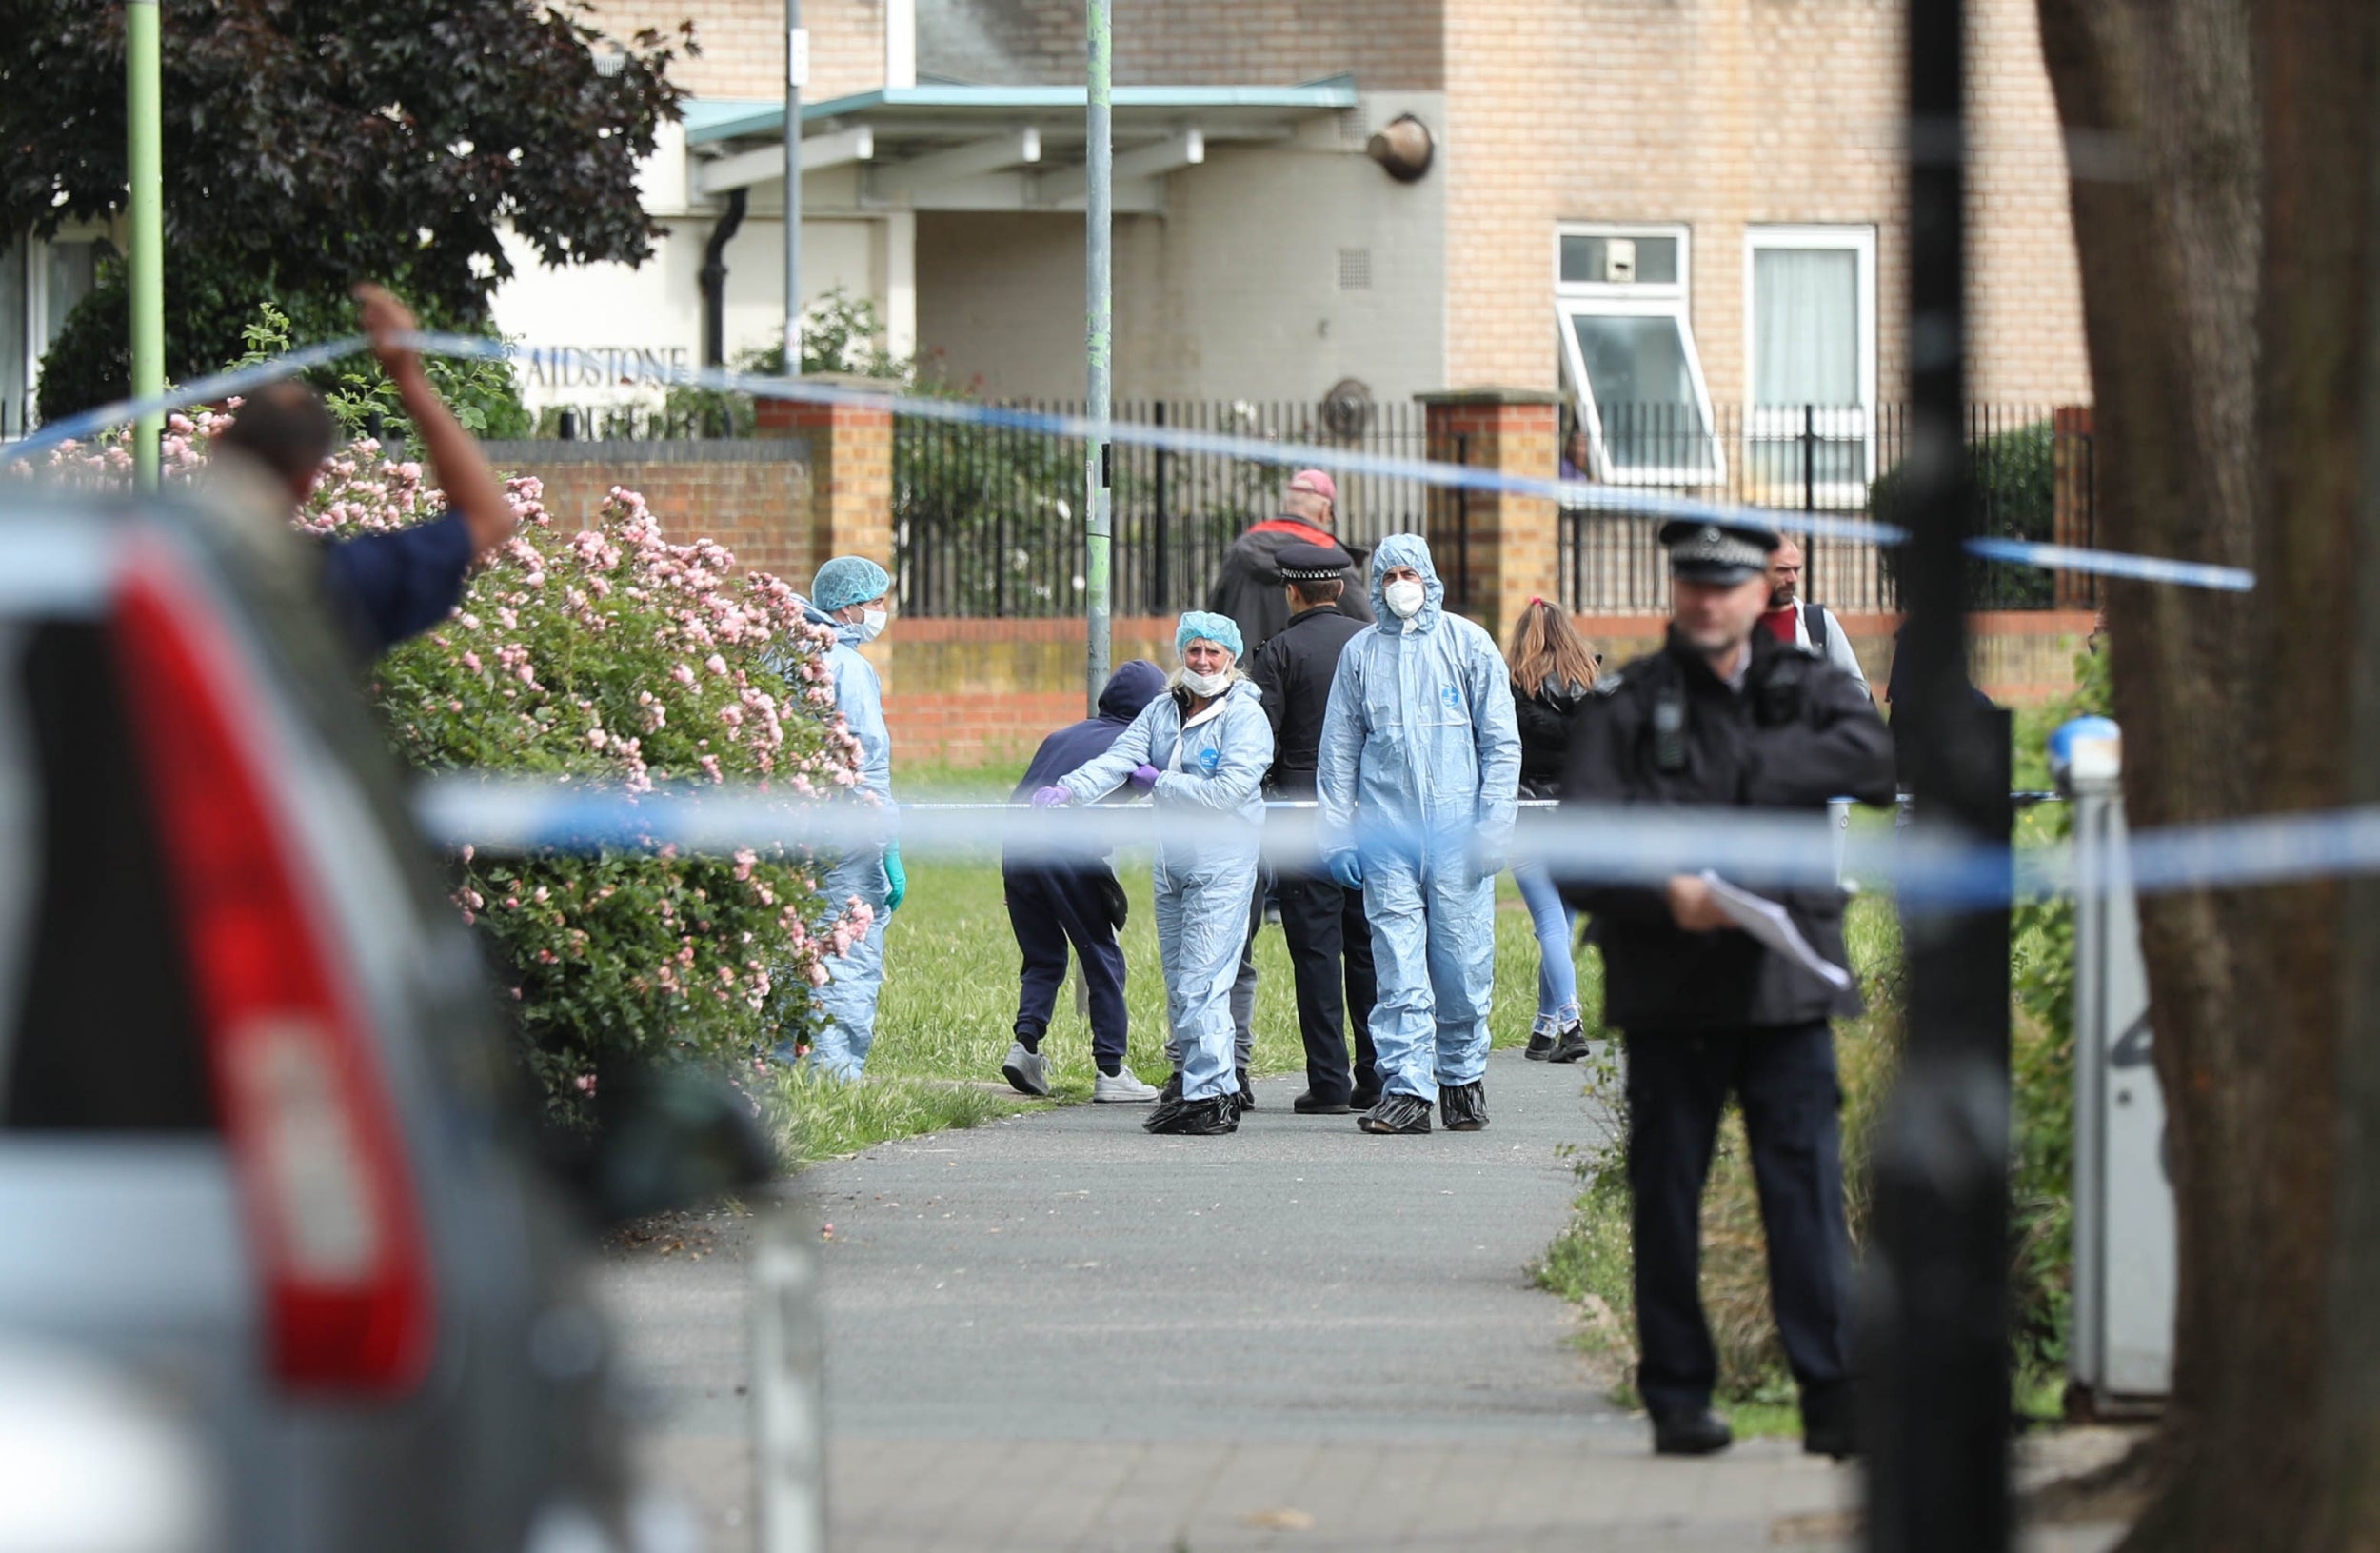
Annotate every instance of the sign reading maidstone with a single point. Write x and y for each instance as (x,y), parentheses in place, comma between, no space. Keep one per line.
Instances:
(606,366)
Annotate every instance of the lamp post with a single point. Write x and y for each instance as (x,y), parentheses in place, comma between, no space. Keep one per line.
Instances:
(1098,220)
(144,159)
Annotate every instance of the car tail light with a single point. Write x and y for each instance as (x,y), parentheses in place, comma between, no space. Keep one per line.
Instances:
(305,1099)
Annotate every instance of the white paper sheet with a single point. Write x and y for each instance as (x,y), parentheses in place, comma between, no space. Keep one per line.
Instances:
(1767,922)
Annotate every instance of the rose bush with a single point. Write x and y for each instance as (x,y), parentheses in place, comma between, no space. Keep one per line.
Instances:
(614,658)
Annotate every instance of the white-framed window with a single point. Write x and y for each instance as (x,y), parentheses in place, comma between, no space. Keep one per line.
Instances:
(1810,332)
(40,283)
(1620,304)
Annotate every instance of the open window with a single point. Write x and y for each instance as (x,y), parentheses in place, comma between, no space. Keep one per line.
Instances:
(1810,329)
(1628,351)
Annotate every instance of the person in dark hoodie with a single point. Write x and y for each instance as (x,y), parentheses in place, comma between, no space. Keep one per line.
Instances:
(1052,907)
(1249,586)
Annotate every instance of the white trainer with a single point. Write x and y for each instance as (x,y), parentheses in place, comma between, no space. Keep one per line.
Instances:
(1027,1072)
(1123,1089)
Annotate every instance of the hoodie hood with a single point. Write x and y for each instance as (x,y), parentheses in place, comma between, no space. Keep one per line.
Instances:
(1133,685)
(1405,550)
(846,633)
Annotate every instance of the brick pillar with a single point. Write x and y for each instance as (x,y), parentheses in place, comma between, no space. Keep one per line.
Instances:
(1495,551)
(850,471)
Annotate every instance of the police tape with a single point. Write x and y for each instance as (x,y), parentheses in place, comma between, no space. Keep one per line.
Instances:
(1625,501)
(1925,864)
(1618,845)
(205,391)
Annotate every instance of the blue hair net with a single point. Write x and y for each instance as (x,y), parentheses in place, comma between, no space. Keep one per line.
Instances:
(1221,629)
(848,580)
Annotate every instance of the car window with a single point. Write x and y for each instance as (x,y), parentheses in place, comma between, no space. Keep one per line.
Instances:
(104,1036)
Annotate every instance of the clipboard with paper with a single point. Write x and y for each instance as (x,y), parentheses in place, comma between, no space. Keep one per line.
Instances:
(1768,923)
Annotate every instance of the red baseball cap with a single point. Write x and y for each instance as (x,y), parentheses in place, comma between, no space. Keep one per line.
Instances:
(1317,482)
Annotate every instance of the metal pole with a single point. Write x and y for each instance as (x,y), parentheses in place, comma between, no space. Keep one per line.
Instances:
(789,1405)
(1935,1414)
(145,159)
(1098,218)
(797,76)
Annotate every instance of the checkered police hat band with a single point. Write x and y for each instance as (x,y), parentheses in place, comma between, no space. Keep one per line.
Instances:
(1712,548)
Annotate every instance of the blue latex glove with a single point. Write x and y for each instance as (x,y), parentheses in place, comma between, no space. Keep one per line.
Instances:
(1052,798)
(1347,871)
(1144,776)
(896,879)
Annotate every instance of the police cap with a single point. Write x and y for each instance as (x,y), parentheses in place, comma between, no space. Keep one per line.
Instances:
(1301,560)
(1703,552)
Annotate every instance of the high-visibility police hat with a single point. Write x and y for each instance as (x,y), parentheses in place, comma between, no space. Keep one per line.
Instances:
(1704,551)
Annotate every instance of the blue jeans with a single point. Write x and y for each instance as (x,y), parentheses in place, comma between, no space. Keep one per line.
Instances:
(1558,974)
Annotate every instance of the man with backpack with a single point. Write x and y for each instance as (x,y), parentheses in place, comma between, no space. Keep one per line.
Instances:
(1809,627)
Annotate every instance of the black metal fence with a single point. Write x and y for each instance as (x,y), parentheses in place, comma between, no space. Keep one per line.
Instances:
(2032,466)
(988,521)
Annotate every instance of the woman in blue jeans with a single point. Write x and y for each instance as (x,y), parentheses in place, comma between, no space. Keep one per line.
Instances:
(1553,671)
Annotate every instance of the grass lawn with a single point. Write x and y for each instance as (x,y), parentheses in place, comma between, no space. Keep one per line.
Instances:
(949,1009)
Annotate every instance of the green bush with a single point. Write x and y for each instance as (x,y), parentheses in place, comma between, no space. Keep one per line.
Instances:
(2016,490)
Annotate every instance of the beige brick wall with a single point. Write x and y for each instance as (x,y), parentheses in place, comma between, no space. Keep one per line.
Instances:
(1390,44)
(1721,114)
(743,43)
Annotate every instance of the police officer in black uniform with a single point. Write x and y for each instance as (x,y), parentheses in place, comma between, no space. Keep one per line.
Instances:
(1327,931)
(1727,716)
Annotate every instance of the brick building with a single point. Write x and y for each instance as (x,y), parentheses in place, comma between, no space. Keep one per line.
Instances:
(1692,203)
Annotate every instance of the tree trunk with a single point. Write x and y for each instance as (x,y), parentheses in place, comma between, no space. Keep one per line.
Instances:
(2224,285)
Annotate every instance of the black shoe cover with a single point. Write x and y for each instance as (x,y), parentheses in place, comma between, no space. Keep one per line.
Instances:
(1465,1105)
(1209,1118)
(1397,1113)
(1171,1090)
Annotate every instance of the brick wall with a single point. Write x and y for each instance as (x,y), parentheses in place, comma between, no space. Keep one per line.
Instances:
(743,44)
(1725,113)
(975,692)
(1390,44)
(753,496)
(984,692)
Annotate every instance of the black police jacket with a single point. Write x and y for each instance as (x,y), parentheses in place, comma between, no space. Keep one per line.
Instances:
(1799,733)
(1248,585)
(1295,669)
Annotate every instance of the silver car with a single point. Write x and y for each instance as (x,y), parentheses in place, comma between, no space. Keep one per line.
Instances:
(261,1146)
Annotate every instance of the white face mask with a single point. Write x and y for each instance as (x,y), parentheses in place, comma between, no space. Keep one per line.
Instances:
(1406,598)
(1208,685)
(872,624)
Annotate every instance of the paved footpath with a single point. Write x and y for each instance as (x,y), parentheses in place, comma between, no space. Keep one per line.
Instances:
(1059,1332)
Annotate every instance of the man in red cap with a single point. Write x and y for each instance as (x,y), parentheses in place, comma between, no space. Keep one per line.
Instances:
(1249,588)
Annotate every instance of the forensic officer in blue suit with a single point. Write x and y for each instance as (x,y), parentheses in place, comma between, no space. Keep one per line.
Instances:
(1201,751)
(1419,780)
(849,594)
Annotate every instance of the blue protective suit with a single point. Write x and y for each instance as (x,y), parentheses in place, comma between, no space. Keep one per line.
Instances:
(847,1002)
(1206,854)
(1420,776)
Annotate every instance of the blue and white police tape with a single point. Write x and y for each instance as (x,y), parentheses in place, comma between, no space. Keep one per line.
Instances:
(1924,864)
(513,817)
(205,391)
(1627,501)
